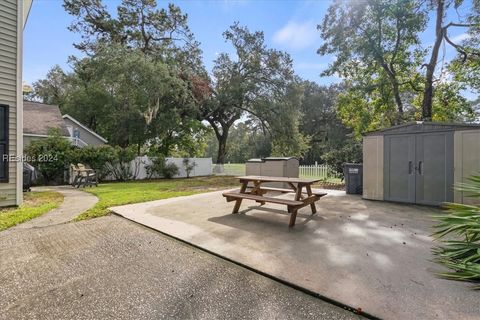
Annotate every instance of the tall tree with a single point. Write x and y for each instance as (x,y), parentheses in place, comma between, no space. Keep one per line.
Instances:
(54,88)
(159,32)
(137,82)
(243,84)
(467,51)
(139,98)
(320,120)
(466,66)
(379,39)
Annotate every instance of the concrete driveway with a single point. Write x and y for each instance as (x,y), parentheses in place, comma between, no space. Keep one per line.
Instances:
(111,268)
(365,254)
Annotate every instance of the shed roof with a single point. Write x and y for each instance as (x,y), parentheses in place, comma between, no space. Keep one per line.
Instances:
(278,158)
(39,118)
(424,126)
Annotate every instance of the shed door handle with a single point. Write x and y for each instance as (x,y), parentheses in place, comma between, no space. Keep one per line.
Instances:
(420,167)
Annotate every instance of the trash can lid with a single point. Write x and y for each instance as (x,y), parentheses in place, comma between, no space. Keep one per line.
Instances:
(347,164)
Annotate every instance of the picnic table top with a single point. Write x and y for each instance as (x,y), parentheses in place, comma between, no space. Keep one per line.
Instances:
(278,179)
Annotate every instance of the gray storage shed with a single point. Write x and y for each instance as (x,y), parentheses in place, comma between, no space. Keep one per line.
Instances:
(419,162)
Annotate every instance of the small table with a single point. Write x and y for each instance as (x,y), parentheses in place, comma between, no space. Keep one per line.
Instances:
(257,192)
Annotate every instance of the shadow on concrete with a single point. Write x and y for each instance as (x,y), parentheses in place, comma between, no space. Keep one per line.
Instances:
(368,254)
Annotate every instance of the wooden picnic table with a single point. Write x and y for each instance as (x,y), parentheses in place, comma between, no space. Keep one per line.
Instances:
(257,193)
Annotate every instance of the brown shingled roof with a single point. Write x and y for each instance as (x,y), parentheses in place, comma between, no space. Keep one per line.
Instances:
(38,118)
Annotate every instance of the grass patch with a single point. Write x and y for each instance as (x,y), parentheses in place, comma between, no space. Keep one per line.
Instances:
(120,193)
(234,169)
(34,205)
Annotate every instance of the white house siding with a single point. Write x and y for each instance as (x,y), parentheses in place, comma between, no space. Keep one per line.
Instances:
(11,27)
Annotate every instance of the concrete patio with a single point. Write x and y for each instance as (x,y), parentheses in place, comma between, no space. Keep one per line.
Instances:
(364,254)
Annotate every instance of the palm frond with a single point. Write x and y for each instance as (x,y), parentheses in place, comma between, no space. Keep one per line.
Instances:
(460,252)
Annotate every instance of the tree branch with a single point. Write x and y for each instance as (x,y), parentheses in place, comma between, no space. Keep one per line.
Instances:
(459,48)
(464,25)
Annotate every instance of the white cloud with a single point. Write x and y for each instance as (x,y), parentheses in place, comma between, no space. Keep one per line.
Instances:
(460,37)
(297,35)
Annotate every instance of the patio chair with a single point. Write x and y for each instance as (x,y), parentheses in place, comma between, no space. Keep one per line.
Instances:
(88,176)
(75,173)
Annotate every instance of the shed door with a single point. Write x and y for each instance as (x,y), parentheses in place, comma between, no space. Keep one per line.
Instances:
(434,168)
(399,173)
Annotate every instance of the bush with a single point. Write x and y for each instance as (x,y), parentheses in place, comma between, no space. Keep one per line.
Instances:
(156,167)
(119,166)
(170,170)
(351,152)
(160,168)
(189,166)
(50,156)
(461,250)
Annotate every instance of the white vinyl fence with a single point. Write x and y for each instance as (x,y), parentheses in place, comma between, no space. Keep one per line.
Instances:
(202,167)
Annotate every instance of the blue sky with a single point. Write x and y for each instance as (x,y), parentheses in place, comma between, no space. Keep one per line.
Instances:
(287,25)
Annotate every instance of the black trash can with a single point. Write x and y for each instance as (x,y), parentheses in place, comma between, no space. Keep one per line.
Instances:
(28,175)
(353,173)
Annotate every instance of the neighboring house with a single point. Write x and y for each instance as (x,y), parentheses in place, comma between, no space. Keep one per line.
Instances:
(13,16)
(82,135)
(39,119)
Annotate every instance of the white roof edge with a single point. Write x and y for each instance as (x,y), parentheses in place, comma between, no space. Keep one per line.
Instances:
(40,135)
(27,7)
(84,127)
(35,135)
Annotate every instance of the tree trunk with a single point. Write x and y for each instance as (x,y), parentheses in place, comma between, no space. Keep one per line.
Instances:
(398,101)
(222,147)
(396,90)
(428,91)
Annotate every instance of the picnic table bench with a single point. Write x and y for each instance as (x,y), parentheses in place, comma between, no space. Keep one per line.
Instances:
(302,197)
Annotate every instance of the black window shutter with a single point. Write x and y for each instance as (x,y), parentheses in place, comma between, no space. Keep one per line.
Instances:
(3,143)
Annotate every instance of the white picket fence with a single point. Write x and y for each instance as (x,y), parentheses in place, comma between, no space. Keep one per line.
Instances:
(322,171)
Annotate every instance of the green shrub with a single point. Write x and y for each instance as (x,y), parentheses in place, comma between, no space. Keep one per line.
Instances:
(460,251)
(119,166)
(351,152)
(170,170)
(160,168)
(189,166)
(50,156)
(156,167)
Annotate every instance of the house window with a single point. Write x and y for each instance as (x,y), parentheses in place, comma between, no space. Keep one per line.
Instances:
(76,133)
(3,143)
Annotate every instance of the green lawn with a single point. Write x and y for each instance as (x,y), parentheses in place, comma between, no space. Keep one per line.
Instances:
(120,193)
(234,169)
(34,205)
